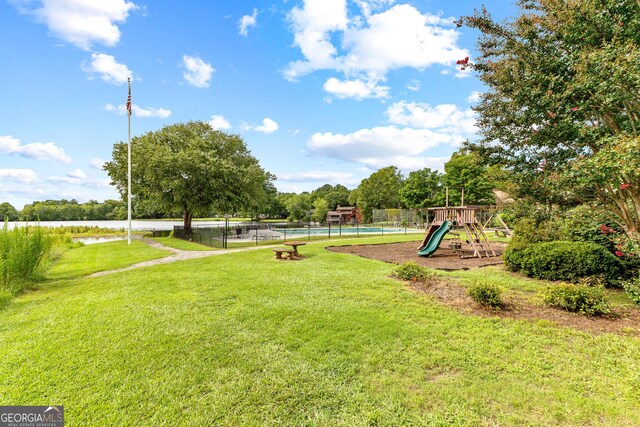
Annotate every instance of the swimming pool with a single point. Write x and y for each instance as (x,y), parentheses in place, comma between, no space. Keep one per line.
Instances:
(343,230)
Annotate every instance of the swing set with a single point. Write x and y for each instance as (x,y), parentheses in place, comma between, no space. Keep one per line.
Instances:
(456,220)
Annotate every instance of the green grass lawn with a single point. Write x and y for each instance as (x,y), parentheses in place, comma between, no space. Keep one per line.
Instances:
(96,257)
(243,339)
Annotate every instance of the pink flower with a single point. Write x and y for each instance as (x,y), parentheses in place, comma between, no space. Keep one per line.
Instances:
(625,186)
(619,254)
(574,109)
(605,229)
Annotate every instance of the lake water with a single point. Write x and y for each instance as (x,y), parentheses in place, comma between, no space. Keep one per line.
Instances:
(117,225)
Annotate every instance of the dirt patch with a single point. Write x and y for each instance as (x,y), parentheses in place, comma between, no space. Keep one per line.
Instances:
(444,259)
(624,321)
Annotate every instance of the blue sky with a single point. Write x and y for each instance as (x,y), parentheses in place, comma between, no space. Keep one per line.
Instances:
(322,91)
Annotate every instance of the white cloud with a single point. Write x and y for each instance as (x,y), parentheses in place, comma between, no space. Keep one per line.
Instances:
(367,6)
(96,163)
(73,179)
(107,68)
(267,126)
(25,176)
(328,177)
(413,85)
(77,173)
(197,72)
(379,146)
(474,98)
(312,26)
(371,44)
(357,89)
(80,22)
(246,22)
(447,118)
(35,150)
(218,122)
(138,111)
(378,141)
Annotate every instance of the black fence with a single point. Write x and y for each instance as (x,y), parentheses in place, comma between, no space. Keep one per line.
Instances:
(221,236)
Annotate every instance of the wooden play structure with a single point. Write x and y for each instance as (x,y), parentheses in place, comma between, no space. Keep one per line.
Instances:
(455,221)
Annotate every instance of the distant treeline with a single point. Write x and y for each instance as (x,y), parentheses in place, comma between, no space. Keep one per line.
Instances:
(65,210)
(71,210)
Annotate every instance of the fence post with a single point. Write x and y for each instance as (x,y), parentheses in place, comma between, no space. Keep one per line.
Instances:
(285,234)
(256,236)
(309,232)
(382,229)
(329,231)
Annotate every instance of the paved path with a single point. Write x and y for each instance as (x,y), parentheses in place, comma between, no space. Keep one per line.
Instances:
(178,255)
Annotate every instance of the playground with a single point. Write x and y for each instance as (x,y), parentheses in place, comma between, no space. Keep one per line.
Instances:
(444,258)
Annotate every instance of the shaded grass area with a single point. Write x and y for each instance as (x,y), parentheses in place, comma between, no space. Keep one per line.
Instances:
(243,339)
(90,259)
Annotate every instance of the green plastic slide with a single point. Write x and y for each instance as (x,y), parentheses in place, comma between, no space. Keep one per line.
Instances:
(435,240)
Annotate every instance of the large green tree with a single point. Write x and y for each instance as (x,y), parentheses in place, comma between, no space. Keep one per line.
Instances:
(421,189)
(299,206)
(465,171)
(8,212)
(563,103)
(191,168)
(335,196)
(381,190)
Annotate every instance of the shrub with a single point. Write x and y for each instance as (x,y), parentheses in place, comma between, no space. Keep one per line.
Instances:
(412,271)
(586,224)
(590,301)
(569,261)
(23,255)
(632,288)
(487,294)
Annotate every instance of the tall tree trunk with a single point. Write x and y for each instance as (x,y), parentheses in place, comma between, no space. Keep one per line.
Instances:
(188,216)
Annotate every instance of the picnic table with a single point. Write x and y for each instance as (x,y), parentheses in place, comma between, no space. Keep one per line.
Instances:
(294,245)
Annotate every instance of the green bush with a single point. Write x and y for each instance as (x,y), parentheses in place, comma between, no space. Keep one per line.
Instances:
(632,288)
(590,301)
(568,261)
(487,294)
(412,271)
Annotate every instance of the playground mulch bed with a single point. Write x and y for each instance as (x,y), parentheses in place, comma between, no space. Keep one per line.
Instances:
(443,259)
(623,321)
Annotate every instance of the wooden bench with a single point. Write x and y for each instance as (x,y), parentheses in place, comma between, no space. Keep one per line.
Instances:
(279,252)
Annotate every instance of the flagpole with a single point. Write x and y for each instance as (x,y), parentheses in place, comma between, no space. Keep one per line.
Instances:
(129,162)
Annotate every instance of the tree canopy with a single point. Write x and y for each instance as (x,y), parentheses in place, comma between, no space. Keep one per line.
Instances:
(563,103)
(191,168)
(381,190)
(421,189)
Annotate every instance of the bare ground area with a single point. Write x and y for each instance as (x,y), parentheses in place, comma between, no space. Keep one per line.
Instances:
(624,321)
(443,259)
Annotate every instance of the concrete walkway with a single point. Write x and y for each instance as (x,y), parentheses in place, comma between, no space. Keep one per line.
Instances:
(178,255)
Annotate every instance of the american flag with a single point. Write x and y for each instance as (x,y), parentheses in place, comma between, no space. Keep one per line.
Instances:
(129,101)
